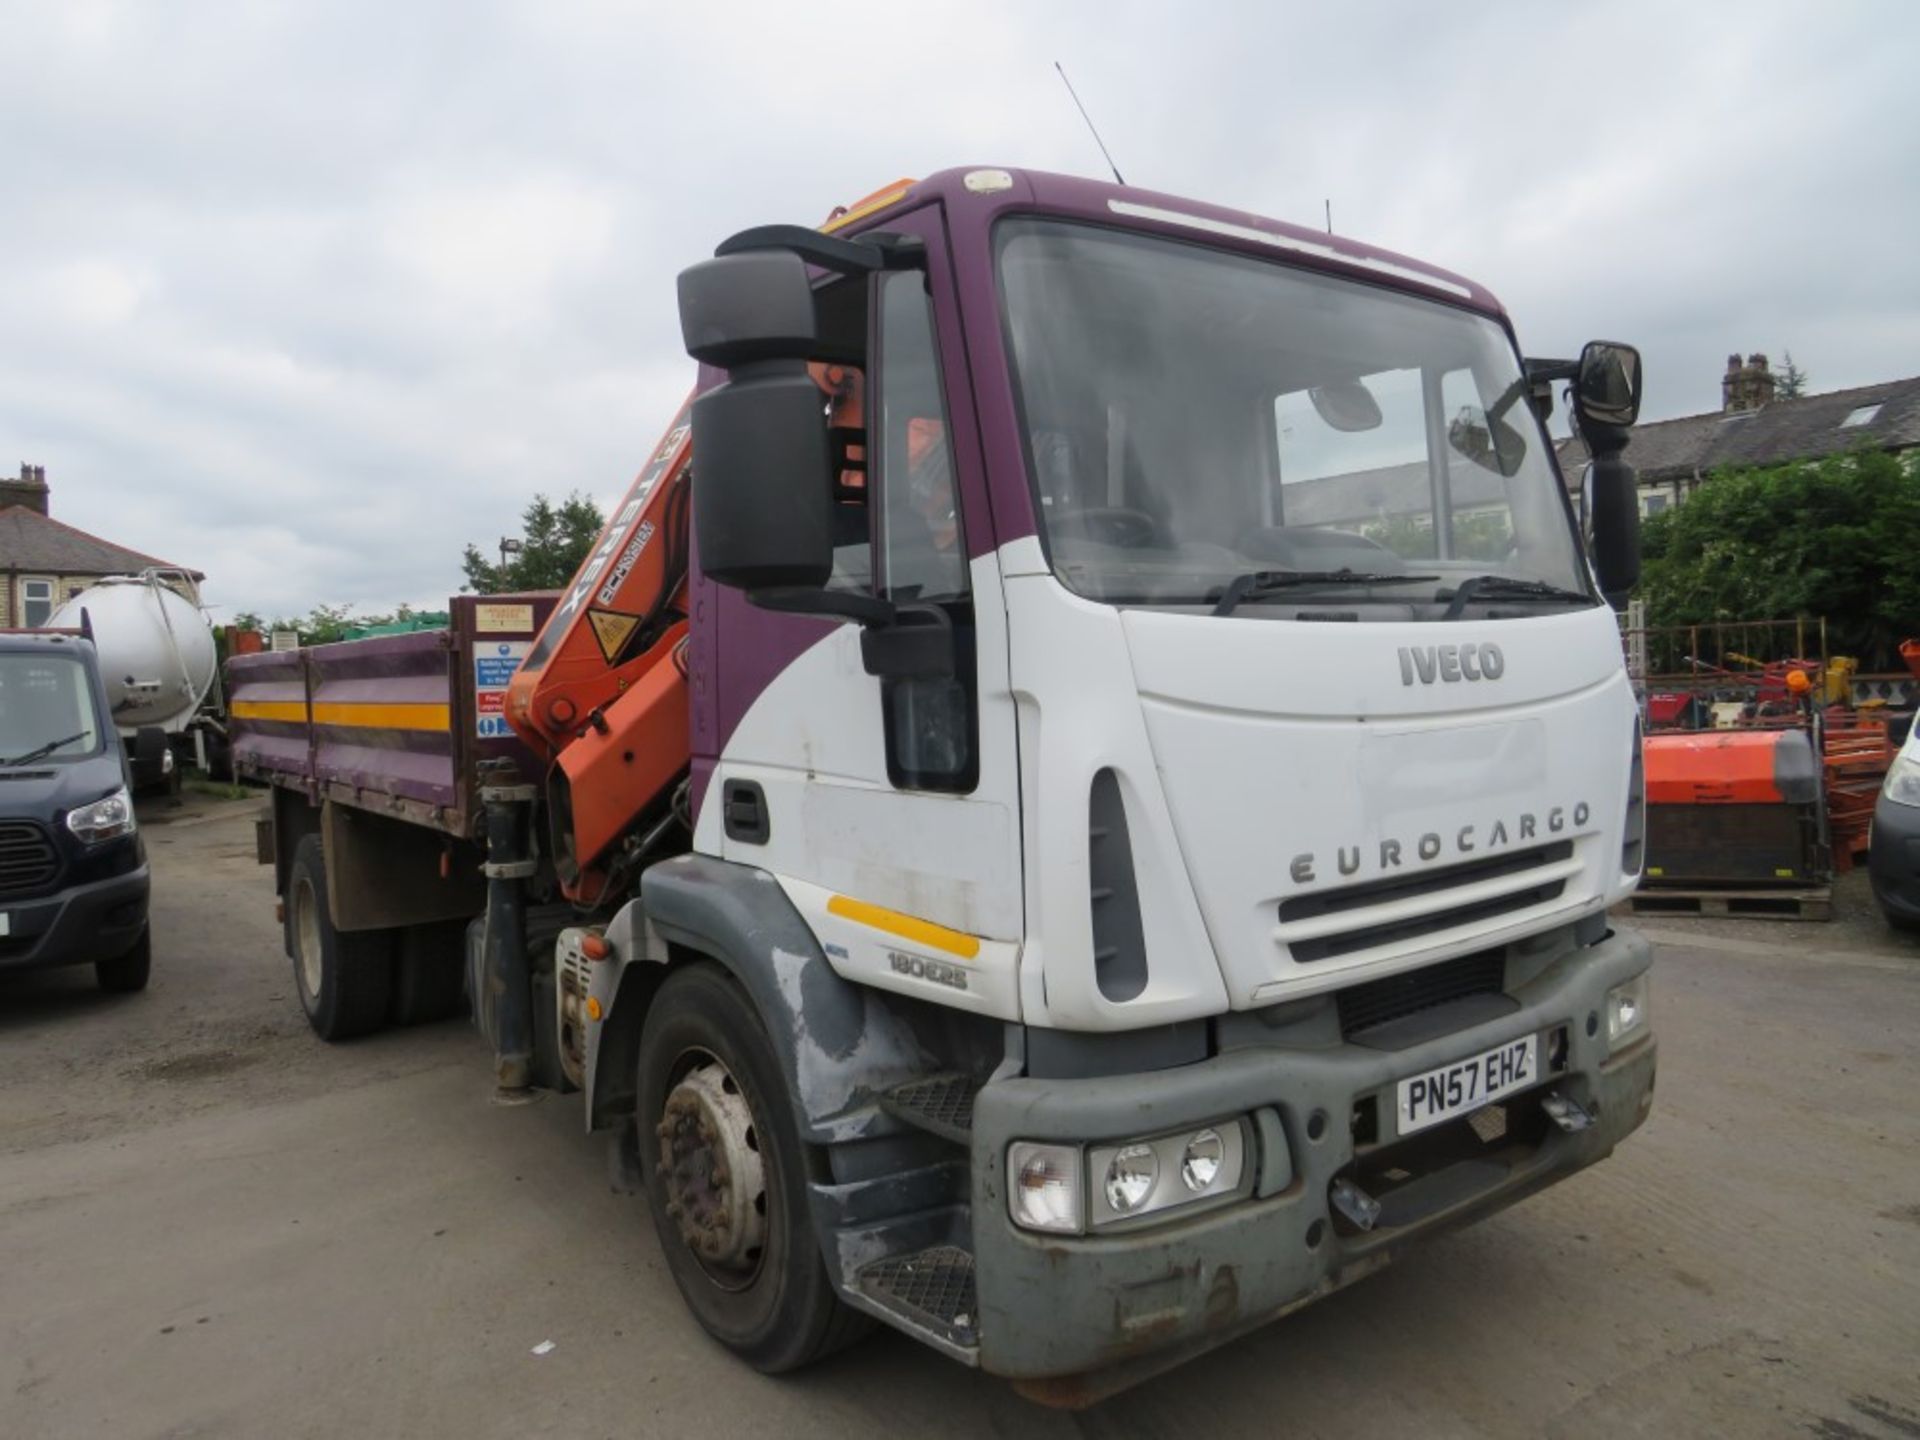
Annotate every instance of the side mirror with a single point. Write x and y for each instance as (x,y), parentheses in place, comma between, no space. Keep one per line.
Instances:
(1610,515)
(1606,390)
(763,471)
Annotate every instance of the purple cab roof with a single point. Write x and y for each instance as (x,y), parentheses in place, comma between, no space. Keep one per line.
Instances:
(1181,218)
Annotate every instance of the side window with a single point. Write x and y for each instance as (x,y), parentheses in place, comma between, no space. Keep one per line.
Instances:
(932,725)
(36,602)
(923,557)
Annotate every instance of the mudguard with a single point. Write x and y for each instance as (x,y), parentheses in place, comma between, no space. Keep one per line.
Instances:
(839,1044)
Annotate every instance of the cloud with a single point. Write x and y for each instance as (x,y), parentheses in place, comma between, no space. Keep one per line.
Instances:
(310,295)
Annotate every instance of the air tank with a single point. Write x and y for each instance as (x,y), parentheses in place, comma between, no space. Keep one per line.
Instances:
(156,649)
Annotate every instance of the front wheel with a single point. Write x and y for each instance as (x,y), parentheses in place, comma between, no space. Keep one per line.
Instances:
(726,1178)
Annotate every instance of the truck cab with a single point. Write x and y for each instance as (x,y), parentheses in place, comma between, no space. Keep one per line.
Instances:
(73,869)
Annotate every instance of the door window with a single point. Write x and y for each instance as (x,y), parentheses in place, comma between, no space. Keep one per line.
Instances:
(932,724)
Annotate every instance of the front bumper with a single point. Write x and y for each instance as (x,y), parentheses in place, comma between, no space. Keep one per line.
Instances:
(1893,863)
(99,920)
(1089,1314)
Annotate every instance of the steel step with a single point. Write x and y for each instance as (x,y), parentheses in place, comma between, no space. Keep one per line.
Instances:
(931,1289)
(940,1104)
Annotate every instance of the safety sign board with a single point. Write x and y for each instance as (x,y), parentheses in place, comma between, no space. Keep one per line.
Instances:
(494,662)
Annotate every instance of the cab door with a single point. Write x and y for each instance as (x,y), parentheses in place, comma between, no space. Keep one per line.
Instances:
(886,805)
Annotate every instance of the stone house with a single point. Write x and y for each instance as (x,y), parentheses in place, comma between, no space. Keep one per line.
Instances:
(44,562)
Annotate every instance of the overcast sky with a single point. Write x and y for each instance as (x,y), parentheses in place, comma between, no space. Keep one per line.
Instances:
(308,294)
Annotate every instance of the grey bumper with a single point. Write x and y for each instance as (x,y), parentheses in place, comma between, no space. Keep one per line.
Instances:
(80,924)
(1090,1313)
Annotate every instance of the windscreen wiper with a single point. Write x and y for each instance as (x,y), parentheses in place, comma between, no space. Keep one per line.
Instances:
(1256,583)
(44,751)
(1508,587)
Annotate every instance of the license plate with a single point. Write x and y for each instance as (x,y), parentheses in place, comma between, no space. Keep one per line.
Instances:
(6,923)
(1466,1085)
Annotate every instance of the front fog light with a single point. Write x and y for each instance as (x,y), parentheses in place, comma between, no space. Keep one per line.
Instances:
(1627,1008)
(1130,1177)
(1200,1166)
(1044,1193)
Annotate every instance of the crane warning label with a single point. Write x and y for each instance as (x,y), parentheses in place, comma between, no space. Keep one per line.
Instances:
(493,665)
(611,628)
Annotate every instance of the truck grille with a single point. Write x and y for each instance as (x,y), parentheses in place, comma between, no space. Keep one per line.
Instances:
(28,860)
(1378,1001)
(1363,917)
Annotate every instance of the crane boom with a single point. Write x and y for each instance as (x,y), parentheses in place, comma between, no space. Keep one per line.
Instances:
(602,695)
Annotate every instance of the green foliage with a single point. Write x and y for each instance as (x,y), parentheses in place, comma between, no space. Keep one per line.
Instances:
(1832,537)
(555,539)
(324,624)
(1789,381)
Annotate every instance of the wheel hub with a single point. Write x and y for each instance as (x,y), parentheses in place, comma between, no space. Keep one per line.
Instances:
(710,1160)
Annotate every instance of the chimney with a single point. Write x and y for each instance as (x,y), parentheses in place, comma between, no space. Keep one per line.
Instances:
(29,490)
(1748,386)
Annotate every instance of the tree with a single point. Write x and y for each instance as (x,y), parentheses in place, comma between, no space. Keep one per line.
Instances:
(1826,538)
(1789,381)
(554,540)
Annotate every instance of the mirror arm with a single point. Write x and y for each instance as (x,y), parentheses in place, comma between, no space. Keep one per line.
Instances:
(876,251)
(869,611)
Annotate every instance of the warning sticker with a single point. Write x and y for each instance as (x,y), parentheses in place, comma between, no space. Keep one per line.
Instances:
(611,629)
(493,665)
(493,619)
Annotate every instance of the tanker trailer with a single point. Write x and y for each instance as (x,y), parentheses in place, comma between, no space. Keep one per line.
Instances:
(157,659)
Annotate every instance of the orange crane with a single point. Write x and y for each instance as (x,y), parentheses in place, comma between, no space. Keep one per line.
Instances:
(602,696)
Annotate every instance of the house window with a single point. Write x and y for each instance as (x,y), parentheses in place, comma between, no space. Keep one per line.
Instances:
(1860,415)
(1652,504)
(36,602)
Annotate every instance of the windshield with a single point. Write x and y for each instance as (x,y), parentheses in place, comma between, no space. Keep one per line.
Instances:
(1195,417)
(45,701)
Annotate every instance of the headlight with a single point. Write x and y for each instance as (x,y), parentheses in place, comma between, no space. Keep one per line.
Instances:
(1066,1190)
(1043,1186)
(1627,1008)
(1167,1173)
(1903,779)
(1131,1175)
(106,819)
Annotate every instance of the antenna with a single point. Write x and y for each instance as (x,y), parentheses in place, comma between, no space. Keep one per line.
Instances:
(1329,205)
(1089,119)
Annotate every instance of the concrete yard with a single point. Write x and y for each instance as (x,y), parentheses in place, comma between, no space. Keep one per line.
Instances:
(213,1225)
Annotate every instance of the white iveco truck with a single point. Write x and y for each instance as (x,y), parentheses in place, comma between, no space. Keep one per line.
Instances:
(1147,762)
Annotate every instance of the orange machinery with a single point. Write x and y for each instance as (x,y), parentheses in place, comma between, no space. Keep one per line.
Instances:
(603,694)
(1734,807)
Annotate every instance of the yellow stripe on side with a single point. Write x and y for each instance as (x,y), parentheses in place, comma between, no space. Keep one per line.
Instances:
(294,710)
(922,932)
(357,716)
(384,717)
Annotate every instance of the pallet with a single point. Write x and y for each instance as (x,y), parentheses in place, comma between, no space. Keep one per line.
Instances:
(1735,904)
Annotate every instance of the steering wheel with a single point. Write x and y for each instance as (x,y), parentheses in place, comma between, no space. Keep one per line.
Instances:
(1117,525)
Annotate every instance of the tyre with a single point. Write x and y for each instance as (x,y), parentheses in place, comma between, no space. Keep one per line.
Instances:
(344,978)
(726,1177)
(127,973)
(430,973)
